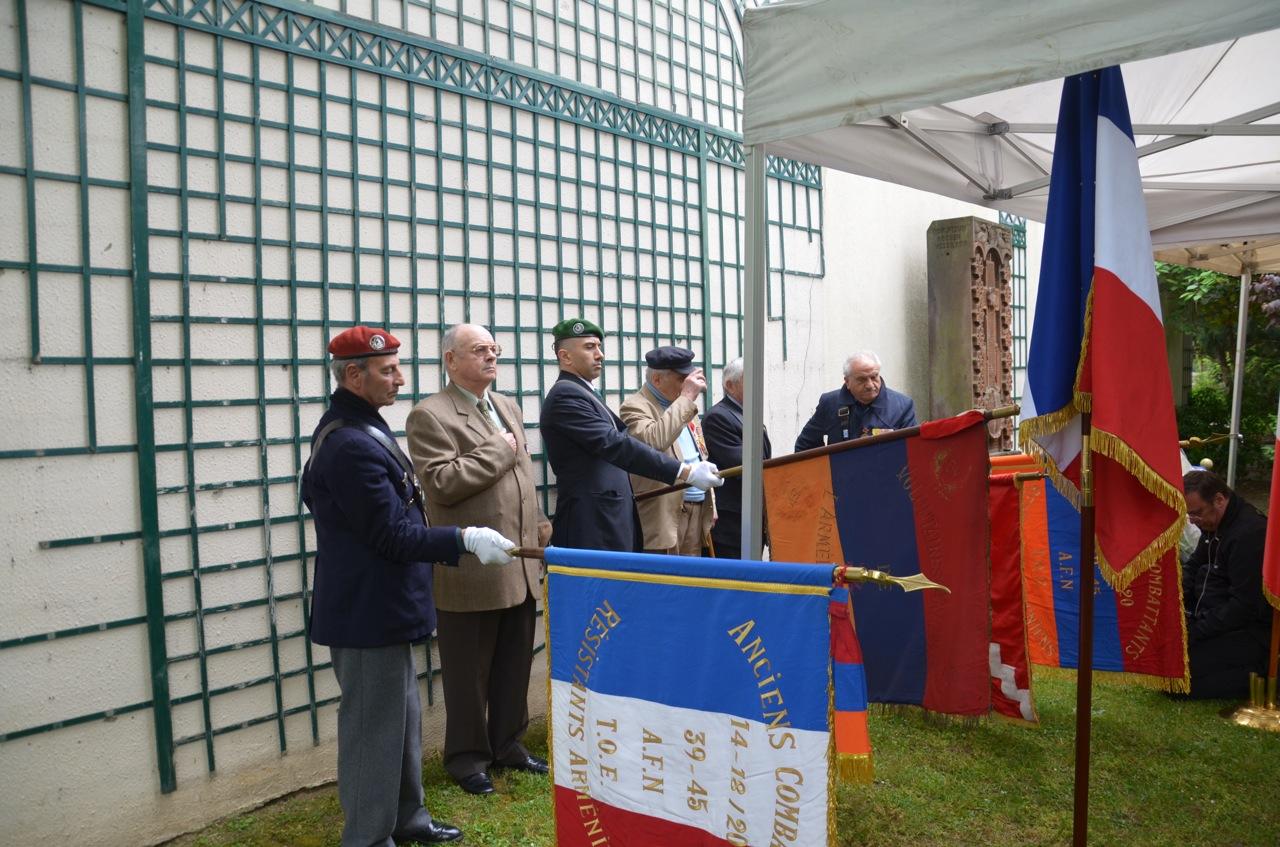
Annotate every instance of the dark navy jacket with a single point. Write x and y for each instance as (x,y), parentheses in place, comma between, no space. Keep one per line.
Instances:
(890,410)
(373,547)
(591,454)
(1222,581)
(722,429)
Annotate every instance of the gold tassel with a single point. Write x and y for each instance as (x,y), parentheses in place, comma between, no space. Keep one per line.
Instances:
(856,769)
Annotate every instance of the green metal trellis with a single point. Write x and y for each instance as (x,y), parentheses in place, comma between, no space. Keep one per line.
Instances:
(422,184)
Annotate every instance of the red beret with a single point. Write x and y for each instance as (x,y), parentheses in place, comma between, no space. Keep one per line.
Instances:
(361,341)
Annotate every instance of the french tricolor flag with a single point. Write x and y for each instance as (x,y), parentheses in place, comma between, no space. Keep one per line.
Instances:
(1098,343)
(690,700)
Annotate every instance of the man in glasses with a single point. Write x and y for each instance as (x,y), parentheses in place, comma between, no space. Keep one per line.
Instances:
(469,450)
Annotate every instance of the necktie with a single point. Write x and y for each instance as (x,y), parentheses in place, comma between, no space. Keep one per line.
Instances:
(484,412)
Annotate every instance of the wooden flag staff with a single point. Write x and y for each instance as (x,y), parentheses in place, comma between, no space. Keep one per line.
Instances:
(842,574)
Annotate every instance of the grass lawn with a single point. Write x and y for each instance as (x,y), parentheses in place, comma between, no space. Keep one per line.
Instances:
(1164,773)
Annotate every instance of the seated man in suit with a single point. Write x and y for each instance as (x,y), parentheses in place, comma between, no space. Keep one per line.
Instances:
(591,453)
(722,426)
(863,406)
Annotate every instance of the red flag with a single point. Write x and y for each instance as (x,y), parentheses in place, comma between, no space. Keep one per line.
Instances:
(1010,669)
(1271,558)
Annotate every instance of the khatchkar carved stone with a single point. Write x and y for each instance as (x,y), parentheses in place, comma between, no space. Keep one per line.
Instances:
(971,321)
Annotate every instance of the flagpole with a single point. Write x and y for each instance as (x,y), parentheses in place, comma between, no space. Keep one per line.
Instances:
(1272,659)
(1084,664)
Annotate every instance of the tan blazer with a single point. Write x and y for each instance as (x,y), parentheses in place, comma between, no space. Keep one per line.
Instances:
(659,428)
(472,477)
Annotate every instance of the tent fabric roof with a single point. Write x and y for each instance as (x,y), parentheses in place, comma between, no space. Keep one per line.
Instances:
(1233,258)
(852,84)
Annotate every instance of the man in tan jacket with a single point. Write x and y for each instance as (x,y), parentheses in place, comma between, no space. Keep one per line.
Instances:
(664,415)
(468,448)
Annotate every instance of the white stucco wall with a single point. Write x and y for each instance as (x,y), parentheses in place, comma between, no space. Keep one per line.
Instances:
(874,296)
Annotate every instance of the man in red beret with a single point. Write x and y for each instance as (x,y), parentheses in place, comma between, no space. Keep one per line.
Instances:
(372,598)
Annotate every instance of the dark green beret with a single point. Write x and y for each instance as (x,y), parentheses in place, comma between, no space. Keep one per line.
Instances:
(576,328)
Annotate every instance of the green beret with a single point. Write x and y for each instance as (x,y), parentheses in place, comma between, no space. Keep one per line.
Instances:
(576,328)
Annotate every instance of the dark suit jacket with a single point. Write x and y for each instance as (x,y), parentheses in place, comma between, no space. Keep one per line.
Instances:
(374,550)
(591,455)
(722,430)
(890,410)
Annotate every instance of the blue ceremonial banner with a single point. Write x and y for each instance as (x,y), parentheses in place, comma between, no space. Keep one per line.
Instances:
(690,699)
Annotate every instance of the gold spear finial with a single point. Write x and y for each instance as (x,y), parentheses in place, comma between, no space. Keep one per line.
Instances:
(915,582)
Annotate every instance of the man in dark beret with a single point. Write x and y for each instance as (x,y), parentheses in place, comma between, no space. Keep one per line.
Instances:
(372,595)
(591,453)
(664,415)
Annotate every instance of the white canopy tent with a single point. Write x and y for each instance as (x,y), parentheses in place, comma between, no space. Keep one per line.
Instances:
(961,99)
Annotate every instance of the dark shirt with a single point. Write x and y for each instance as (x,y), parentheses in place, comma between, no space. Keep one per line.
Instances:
(374,551)
(1222,581)
(890,410)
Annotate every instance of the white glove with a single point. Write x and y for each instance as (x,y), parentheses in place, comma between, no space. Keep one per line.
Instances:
(489,545)
(704,475)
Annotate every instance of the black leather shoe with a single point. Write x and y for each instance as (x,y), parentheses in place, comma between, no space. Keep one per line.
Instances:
(532,764)
(476,783)
(434,833)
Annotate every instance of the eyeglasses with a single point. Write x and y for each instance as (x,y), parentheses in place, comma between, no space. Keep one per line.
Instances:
(486,349)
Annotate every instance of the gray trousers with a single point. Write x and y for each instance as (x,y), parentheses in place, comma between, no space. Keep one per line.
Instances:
(379,745)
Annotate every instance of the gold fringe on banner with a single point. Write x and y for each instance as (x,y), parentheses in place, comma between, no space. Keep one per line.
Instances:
(1109,445)
(1168,685)
(1273,599)
(832,766)
(1122,454)
(856,769)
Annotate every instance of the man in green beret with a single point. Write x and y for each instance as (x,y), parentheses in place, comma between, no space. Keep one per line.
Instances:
(592,454)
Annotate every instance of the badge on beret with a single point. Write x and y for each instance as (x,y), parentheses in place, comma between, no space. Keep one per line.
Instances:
(361,341)
(576,328)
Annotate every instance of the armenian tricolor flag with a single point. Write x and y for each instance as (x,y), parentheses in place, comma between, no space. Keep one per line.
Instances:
(903,505)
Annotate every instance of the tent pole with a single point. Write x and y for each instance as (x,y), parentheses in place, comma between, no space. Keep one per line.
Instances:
(1237,392)
(1084,663)
(755,278)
